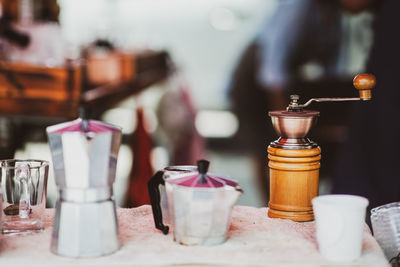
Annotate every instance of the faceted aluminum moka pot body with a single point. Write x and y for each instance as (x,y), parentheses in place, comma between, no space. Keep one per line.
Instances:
(201,216)
(199,205)
(84,154)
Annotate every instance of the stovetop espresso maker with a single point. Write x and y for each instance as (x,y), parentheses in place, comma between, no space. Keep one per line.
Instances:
(294,160)
(84,154)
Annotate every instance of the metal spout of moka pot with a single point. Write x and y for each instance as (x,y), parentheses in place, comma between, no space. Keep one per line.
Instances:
(363,82)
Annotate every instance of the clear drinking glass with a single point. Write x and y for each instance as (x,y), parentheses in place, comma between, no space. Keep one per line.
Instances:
(23,185)
(386,226)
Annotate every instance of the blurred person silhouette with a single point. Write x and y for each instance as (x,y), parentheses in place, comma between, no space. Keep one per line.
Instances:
(368,164)
(176,113)
(303,39)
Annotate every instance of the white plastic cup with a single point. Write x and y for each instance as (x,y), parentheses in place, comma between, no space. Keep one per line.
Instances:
(340,221)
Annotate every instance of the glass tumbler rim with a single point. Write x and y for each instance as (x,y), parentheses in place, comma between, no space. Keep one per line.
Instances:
(42,163)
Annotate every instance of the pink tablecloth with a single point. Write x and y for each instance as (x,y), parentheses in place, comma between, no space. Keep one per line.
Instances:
(254,240)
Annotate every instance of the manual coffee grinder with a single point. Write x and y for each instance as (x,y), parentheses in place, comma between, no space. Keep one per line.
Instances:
(84,154)
(294,160)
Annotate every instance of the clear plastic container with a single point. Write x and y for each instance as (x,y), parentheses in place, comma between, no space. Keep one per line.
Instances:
(386,226)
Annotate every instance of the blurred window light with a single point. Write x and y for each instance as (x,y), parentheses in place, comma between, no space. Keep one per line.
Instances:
(159,157)
(311,71)
(223,19)
(127,119)
(122,117)
(216,123)
(151,121)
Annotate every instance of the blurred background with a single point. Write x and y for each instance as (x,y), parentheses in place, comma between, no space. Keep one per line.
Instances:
(184,79)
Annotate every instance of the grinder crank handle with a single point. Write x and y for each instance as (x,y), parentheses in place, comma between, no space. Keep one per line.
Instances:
(363,82)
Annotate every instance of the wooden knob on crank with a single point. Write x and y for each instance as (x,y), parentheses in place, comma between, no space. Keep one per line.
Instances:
(364,83)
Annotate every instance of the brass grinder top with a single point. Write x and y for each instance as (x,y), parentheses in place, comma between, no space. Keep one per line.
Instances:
(292,127)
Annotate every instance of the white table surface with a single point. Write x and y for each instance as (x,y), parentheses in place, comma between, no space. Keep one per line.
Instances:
(254,239)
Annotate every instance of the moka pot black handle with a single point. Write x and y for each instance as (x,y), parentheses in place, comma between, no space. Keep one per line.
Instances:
(154,192)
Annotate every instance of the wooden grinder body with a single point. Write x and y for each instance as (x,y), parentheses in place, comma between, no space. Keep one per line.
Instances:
(293,182)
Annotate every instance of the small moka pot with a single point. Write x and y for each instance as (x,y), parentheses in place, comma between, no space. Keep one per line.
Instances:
(294,160)
(84,154)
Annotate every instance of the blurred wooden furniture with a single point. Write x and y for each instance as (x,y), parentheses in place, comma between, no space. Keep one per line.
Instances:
(149,67)
(38,95)
(102,68)
(39,91)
